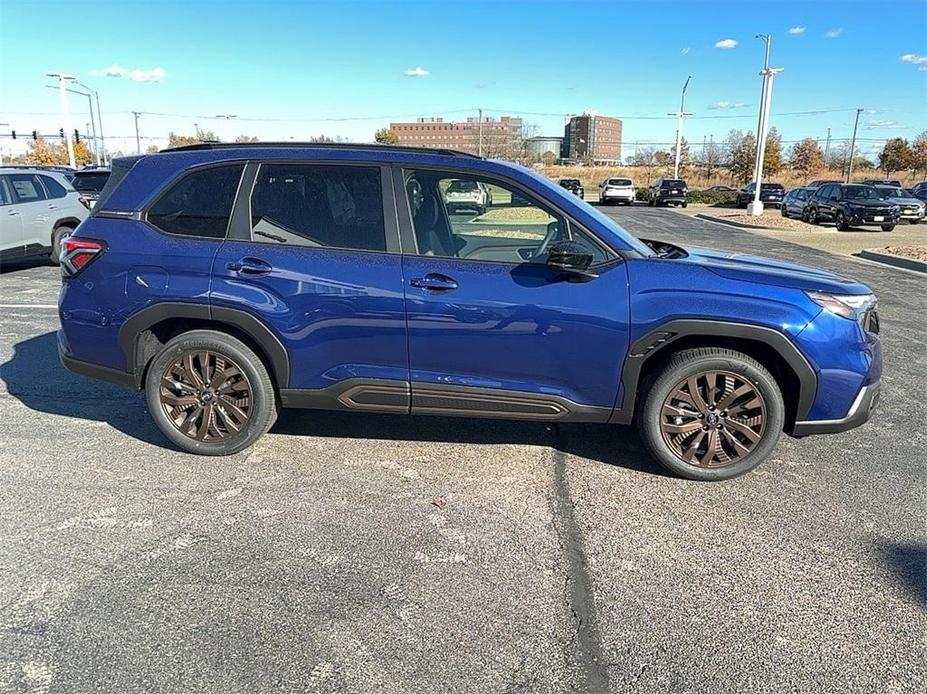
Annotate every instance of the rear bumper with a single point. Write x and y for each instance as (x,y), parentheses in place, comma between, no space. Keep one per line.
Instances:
(101,373)
(860,412)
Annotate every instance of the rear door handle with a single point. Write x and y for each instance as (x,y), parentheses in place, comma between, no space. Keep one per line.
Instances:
(435,282)
(250,266)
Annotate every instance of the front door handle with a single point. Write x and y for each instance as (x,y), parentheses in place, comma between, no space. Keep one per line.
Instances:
(250,266)
(434,282)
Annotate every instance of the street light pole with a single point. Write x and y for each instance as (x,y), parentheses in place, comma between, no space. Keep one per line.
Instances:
(679,116)
(755,208)
(96,148)
(138,142)
(853,146)
(90,126)
(479,126)
(62,78)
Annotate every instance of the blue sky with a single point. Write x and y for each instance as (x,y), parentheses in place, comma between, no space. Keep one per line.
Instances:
(302,63)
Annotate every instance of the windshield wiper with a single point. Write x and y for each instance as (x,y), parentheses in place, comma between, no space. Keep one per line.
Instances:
(270,236)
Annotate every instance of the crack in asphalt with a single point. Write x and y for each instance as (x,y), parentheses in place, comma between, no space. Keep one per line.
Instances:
(585,646)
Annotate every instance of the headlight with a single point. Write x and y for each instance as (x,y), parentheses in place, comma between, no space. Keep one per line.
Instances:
(852,306)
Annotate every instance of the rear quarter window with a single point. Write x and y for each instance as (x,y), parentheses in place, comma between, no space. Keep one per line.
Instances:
(199,204)
(53,188)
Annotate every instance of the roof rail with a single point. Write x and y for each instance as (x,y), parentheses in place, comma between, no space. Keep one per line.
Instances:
(322,145)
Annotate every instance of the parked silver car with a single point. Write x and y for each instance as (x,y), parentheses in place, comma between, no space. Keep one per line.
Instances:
(38,209)
(912,209)
(616,190)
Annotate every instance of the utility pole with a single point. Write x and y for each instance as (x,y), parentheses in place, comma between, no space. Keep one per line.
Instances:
(680,114)
(827,146)
(138,142)
(96,96)
(755,208)
(480,132)
(62,78)
(853,146)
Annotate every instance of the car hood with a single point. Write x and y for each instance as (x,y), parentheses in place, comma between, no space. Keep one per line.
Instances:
(752,268)
(861,202)
(905,201)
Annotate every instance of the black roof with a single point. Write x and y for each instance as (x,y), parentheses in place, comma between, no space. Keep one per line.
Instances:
(321,145)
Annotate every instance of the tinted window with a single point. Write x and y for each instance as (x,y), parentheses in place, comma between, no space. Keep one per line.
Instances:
(27,187)
(317,205)
(199,204)
(500,224)
(53,188)
(801,194)
(90,182)
(6,197)
(673,183)
(619,181)
(120,168)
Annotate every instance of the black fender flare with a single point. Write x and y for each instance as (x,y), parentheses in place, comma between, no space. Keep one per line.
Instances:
(660,338)
(134,349)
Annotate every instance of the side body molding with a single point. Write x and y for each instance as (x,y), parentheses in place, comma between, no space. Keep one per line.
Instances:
(666,334)
(134,349)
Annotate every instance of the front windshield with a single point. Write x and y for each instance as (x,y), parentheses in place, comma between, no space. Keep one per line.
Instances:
(860,193)
(891,192)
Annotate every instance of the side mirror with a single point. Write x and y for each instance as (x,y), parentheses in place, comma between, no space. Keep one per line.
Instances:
(571,258)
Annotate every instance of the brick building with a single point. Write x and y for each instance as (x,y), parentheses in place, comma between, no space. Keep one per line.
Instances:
(500,138)
(591,137)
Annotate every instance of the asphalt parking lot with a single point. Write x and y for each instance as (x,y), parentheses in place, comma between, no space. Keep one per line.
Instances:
(358,553)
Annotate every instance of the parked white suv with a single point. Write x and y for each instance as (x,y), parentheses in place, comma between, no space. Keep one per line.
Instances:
(616,190)
(37,209)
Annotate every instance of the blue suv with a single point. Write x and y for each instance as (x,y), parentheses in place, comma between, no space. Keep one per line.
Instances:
(229,281)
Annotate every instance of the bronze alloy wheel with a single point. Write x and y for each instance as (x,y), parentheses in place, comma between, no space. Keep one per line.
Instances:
(713,419)
(206,396)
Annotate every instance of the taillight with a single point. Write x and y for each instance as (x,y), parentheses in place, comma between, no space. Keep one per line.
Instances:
(76,254)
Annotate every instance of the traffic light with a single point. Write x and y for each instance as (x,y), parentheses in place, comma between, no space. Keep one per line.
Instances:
(35,134)
(61,132)
(76,136)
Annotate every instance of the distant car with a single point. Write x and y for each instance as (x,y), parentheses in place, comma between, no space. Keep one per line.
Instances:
(719,189)
(821,182)
(851,205)
(89,182)
(616,190)
(574,185)
(770,194)
(919,190)
(468,195)
(65,171)
(793,204)
(881,182)
(912,209)
(39,209)
(669,191)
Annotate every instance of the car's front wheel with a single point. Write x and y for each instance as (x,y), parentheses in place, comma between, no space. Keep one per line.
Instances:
(913,221)
(813,216)
(712,414)
(888,227)
(840,221)
(209,393)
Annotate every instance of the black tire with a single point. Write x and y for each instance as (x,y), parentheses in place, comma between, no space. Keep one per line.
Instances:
(888,227)
(651,202)
(685,204)
(840,221)
(913,221)
(58,236)
(813,216)
(263,402)
(691,363)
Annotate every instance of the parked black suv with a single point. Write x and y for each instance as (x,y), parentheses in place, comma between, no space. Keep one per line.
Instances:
(851,205)
(770,194)
(574,185)
(89,182)
(665,191)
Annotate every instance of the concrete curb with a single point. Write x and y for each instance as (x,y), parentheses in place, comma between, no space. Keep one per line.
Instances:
(738,225)
(894,260)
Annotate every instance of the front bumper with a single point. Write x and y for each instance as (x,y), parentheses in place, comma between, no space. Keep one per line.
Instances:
(859,414)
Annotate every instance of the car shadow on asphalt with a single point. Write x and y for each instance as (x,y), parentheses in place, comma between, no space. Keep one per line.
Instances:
(24,264)
(908,563)
(35,377)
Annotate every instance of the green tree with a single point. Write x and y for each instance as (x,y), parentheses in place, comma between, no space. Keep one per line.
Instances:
(895,155)
(806,156)
(386,136)
(919,153)
(741,155)
(772,158)
(709,158)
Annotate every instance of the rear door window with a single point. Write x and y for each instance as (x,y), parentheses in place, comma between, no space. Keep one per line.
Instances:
(317,205)
(27,187)
(6,197)
(199,204)
(53,188)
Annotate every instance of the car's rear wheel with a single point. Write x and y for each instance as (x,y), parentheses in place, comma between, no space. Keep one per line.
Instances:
(913,221)
(888,227)
(840,221)
(209,393)
(712,414)
(58,235)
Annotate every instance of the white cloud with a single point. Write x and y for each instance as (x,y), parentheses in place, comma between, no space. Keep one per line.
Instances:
(685,50)
(726,43)
(883,125)
(833,33)
(914,59)
(417,72)
(923,68)
(725,105)
(796,31)
(136,75)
